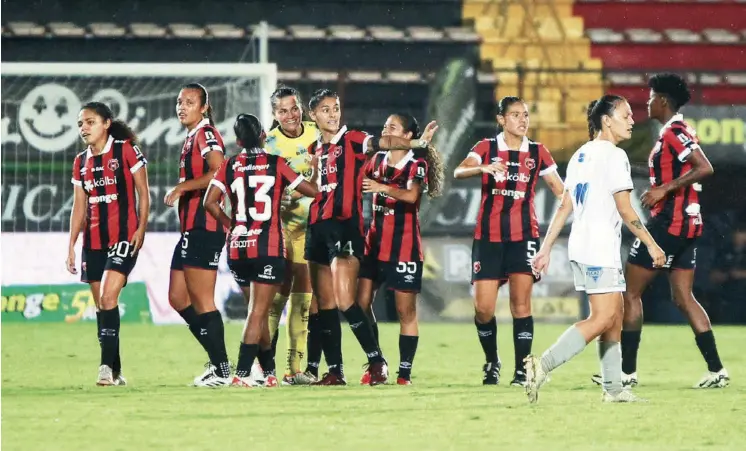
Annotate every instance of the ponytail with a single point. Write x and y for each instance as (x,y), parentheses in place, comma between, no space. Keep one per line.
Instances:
(597,109)
(435,170)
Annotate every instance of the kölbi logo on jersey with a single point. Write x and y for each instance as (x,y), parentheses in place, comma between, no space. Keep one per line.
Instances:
(97,183)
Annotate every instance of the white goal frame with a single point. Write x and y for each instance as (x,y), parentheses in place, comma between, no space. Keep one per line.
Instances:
(265,72)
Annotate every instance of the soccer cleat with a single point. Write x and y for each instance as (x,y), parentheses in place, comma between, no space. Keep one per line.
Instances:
(365,378)
(331,379)
(257,374)
(288,379)
(119,380)
(491,373)
(379,373)
(719,379)
(623,396)
(306,378)
(270,381)
(242,382)
(402,381)
(535,377)
(212,380)
(519,379)
(209,368)
(628,380)
(105,376)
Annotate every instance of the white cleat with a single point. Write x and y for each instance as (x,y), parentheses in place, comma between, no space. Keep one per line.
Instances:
(306,378)
(209,368)
(623,396)
(535,377)
(270,381)
(212,380)
(257,375)
(714,380)
(120,381)
(105,376)
(628,380)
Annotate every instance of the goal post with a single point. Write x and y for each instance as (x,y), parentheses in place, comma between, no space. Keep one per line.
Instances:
(40,105)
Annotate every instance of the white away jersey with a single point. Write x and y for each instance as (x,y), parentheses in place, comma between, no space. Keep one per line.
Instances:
(597,171)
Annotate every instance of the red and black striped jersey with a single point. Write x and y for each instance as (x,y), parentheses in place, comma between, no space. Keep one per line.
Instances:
(255,181)
(109,185)
(340,164)
(394,235)
(201,140)
(678,212)
(507,210)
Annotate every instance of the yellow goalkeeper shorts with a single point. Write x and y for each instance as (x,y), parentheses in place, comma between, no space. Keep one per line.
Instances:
(295,242)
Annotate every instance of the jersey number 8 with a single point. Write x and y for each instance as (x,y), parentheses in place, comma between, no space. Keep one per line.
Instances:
(265,183)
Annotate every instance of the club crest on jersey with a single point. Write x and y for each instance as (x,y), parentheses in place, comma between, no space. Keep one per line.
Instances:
(530,163)
(113,164)
(477,267)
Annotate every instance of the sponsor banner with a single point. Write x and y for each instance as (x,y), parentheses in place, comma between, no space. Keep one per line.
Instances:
(721,131)
(69,303)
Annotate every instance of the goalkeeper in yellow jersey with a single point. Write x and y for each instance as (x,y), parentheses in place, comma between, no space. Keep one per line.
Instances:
(290,138)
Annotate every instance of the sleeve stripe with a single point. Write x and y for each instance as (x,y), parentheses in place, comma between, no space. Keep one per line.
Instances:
(365,142)
(137,166)
(684,154)
(552,168)
(219,185)
(76,182)
(296,182)
(209,149)
(475,156)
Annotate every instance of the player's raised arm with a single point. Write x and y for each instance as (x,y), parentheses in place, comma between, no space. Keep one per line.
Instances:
(474,164)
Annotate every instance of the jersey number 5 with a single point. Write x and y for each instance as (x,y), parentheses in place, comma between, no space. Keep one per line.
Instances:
(264,184)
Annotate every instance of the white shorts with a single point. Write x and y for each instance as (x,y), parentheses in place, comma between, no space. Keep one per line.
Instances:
(597,279)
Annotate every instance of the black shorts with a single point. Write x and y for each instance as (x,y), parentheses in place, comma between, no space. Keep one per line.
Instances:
(497,261)
(329,239)
(267,270)
(397,276)
(681,253)
(95,262)
(199,249)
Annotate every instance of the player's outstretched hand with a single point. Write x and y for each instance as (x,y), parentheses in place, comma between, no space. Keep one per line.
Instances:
(172,196)
(657,254)
(653,196)
(430,130)
(540,262)
(70,262)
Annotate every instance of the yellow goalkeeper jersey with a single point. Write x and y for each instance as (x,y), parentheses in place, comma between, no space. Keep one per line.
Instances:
(295,151)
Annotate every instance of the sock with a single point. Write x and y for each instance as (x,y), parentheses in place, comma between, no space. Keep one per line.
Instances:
(610,355)
(523,338)
(109,335)
(314,344)
(331,339)
(364,334)
(267,361)
(567,346)
(488,338)
(630,345)
(192,319)
(275,314)
(212,322)
(297,330)
(706,345)
(117,365)
(407,350)
(246,355)
(98,327)
(374,327)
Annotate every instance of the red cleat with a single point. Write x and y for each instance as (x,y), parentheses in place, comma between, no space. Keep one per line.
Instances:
(379,373)
(402,381)
(365,378)
(331,379)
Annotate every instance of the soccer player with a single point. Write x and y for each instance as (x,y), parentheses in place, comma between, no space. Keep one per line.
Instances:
(677,165)
(194,263)
(393,246)
(290,139)
(506,237)
(255,183)
(334,242)
(596,191)
(107,176)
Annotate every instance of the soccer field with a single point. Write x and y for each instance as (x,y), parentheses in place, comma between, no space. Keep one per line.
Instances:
(50,401)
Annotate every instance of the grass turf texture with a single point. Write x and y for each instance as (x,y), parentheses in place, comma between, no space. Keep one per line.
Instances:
(50,401)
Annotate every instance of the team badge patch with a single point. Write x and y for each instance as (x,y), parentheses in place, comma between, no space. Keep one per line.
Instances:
(113,164)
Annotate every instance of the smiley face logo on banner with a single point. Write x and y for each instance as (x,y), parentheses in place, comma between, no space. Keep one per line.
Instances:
(48,117)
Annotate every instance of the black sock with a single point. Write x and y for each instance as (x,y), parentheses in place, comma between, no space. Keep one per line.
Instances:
(275,337)
(360,326)
(267,361)
(212,322)
(98,327)
(706,345)
(523,338)
(630,345)
(192,319)
(331,339)
(374,327)
(117,368)
(246,356)
(407,350)
(488,338)
(314,344)
(109,336)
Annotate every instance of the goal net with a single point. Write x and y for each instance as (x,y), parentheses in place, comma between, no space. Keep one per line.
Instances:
(40,105)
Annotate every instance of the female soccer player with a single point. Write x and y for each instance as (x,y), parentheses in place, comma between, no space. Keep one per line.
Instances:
(677,165)
(106,177)
(393,247)
(194,264)
(335,241)
(506,237)
(290,139)
(597,191)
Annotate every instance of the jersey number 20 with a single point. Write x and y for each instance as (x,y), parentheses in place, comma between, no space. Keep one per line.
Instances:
(264,184)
